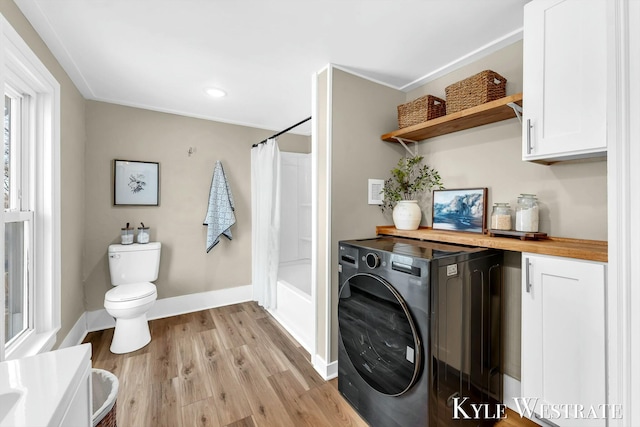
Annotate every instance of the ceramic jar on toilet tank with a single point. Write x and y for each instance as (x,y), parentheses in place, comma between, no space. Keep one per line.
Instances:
(132,268)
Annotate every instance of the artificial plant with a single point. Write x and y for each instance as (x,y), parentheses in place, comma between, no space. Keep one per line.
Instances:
(408,180)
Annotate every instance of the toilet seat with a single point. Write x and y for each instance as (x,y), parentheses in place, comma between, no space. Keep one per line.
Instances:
(130,292)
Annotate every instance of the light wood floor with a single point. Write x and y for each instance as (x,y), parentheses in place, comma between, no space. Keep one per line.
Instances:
(229,366)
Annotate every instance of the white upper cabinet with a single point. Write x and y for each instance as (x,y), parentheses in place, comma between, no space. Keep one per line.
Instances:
(565,80)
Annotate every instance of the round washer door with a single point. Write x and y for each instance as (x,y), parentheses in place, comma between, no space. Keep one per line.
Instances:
(378,334)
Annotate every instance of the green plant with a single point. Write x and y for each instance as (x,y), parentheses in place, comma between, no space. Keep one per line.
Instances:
(408,179)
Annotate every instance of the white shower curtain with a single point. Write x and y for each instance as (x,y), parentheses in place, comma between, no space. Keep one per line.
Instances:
(265,221)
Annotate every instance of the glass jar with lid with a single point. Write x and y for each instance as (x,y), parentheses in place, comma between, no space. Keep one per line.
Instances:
(501,216)
(126,235)
(143,235)
(527,213)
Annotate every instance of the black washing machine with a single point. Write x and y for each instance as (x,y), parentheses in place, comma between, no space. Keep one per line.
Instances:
(419,330)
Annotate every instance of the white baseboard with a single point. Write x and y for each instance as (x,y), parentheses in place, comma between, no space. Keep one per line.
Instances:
(77,333)
(174,306)
(511,389)
(99,319)
(327,371)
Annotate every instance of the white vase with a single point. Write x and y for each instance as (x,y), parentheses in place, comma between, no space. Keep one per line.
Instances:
(407,215)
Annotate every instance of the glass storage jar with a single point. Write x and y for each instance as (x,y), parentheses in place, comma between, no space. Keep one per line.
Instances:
(501,216)
(143,235)
(126,235)
(527,213)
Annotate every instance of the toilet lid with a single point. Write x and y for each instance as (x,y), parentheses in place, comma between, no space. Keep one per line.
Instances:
(130,292)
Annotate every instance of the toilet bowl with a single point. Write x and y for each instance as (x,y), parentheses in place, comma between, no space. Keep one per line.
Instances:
(132,268)
(129,305)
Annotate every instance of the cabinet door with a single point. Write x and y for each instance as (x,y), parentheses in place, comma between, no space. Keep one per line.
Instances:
(563,335)
(565,79)
(79,413)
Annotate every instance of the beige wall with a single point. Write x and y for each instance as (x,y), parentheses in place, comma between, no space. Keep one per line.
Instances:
(72,138)
(112,131)
(361,112)
(118,132)
(573,197)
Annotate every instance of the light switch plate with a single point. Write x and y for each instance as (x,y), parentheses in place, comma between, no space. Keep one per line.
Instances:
(375,191)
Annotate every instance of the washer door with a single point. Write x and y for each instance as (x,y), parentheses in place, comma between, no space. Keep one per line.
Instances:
(378,334)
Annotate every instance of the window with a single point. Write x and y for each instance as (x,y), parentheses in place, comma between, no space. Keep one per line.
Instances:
(18,219)
(30,225)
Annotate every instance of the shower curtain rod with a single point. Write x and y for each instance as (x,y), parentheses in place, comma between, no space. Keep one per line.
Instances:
(281,132)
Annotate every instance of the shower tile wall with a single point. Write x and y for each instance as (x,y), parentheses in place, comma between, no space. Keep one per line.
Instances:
(295,208)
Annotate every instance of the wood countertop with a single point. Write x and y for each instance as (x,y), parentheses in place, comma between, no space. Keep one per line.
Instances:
(591,250)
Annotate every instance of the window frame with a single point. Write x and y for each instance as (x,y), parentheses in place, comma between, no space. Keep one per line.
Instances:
(21,206)
(22,69)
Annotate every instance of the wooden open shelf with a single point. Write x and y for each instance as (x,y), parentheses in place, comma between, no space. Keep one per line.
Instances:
(479,115)
(591,250)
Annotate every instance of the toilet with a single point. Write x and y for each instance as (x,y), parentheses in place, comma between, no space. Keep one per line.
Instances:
(132,268)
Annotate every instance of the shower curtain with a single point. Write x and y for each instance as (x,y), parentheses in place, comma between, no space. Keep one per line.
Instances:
(265,221)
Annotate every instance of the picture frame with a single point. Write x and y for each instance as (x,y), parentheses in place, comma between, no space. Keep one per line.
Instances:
(136,183)
(463,209)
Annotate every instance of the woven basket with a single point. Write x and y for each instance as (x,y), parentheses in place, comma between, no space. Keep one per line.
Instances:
(104,396)
(420,110)
(109,420)
(483,87)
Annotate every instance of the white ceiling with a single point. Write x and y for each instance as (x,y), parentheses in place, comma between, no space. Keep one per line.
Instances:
(163,54)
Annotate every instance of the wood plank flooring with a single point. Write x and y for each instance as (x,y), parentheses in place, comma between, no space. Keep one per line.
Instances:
(231,366)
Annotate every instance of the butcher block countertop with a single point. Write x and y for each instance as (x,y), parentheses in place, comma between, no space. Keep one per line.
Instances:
(590,250)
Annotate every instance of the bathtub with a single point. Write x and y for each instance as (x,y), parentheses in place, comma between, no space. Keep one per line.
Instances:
(294,309)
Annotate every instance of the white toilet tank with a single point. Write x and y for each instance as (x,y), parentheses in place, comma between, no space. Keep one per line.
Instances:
(134,263)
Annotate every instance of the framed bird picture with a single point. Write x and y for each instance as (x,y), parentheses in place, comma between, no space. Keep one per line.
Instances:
(136,183)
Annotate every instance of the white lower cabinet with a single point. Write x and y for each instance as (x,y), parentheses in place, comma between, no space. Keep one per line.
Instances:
(563,339)
(49,389)
(80,411)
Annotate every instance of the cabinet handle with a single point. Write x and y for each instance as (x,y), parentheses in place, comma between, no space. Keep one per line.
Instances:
(529,146)
(528,277)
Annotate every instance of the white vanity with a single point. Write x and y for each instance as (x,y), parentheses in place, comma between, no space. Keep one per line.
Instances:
(49,389)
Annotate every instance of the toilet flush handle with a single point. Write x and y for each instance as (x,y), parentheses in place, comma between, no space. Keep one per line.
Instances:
(115,256)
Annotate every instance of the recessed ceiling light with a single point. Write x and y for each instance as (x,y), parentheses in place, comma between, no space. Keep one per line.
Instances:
(216,93)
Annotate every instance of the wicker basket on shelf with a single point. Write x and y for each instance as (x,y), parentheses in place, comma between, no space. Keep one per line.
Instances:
(483,87)
(420,110)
